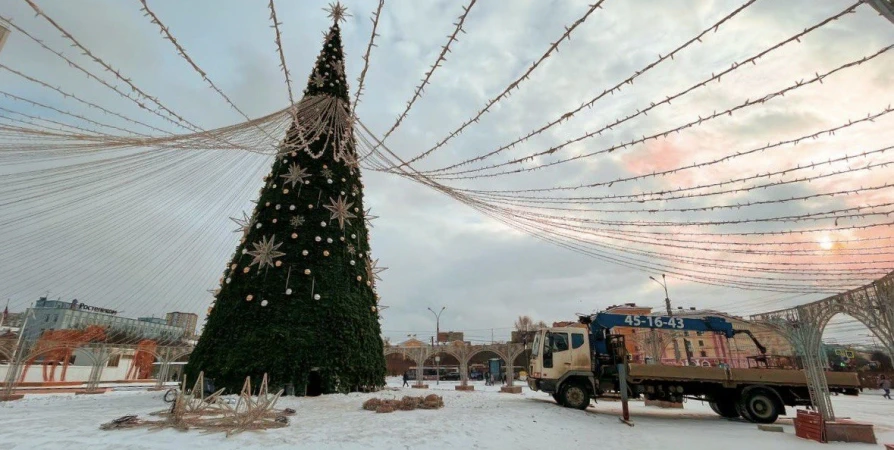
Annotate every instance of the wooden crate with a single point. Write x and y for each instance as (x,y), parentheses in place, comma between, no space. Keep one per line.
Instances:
(809,425)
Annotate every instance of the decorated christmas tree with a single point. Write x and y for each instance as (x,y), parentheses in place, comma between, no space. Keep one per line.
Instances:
(297,301)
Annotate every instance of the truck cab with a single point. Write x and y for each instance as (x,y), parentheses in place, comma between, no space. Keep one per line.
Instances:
(561,365)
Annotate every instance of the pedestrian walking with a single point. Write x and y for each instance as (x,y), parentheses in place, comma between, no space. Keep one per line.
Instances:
(406,378)
(885,384)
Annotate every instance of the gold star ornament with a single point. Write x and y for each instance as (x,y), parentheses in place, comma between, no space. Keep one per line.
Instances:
(265,252)
(340,210)
(337,12)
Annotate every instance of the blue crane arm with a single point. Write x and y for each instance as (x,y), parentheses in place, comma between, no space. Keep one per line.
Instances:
(605,321)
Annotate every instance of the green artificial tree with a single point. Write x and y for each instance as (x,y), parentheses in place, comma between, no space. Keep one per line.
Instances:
(298,300)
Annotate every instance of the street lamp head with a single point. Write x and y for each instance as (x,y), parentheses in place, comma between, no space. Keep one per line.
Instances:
(652,278)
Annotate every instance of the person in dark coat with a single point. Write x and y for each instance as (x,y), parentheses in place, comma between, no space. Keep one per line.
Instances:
(406,377)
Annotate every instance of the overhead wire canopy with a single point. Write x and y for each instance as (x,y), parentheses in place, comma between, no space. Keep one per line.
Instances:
(710,166)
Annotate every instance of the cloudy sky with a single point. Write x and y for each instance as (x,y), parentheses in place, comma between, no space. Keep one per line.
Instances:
(153,236)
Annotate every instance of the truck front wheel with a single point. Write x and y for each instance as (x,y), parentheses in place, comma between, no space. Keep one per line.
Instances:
(575,395)
(557,398)
(761,406)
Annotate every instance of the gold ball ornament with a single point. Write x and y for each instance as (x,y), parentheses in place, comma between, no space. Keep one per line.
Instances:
(359,278)
(278,263)
(245,270)
(316,296)
(304,252)
(325,252)
(249,297)
(294,235)
(274,220)
(233,267)
(307,271)
(285,191)
(267,204)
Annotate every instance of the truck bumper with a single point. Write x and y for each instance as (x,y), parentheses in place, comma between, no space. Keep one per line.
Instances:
(548,386)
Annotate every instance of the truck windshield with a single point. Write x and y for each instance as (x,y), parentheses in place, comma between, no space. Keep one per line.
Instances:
(535,350)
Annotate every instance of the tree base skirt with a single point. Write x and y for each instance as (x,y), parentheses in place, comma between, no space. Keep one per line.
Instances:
(420,386)
(464,388)
(511,389)
(11,397)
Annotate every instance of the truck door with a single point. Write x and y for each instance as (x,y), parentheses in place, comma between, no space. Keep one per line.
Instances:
(580,355)
(556,355)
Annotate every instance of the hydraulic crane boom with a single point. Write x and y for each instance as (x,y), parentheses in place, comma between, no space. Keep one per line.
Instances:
(607,321)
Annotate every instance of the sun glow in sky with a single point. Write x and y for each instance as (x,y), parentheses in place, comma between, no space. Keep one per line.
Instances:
(826,243)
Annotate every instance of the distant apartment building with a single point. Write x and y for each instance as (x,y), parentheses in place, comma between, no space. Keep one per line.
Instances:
(187,321)
(451,336)
(60,315)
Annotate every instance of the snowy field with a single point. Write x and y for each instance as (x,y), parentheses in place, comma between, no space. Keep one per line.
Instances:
(482,419)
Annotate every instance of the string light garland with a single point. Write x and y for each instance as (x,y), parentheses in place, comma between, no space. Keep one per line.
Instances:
(441,58)
(663,134)
(629,81)
(372,37)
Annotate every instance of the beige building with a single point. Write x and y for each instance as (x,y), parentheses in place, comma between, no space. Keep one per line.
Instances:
(187,321)
(711,349)
(701,348)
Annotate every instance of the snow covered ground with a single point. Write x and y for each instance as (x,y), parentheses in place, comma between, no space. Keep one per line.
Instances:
(482,419)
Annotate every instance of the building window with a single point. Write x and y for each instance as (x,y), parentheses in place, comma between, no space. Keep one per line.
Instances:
(701,343)
(704,354)
(115,359)
(699,333)
(685,333)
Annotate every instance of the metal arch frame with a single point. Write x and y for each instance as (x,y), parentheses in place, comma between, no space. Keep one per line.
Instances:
(872,305)
(463,353)
(885,8)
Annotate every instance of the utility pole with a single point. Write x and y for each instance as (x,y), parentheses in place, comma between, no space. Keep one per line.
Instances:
(670,313)
(438,339)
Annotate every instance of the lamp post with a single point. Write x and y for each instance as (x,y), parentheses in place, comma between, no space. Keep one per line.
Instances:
(670,313)
(438,339)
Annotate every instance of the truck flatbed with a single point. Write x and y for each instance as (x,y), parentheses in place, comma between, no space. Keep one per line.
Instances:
(730,377)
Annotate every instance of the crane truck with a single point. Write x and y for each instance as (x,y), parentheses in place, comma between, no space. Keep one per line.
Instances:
(578,363)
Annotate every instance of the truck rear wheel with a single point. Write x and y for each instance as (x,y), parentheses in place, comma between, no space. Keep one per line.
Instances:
(761,406)
(743,411)
(725,408)
(575,395)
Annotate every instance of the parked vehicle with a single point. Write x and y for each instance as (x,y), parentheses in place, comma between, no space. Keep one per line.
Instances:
(575,364)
